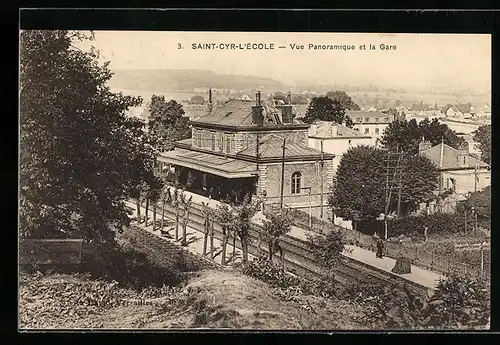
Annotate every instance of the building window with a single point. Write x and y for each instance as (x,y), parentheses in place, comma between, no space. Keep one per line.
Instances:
(377,119)
(296,180)
(377,131)
(367,130)
(386,119)
(367,119)
(359,120)
(199,142)
(228,143)
(213,140)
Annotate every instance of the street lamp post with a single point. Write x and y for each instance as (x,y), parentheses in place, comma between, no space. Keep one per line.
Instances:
(310,206)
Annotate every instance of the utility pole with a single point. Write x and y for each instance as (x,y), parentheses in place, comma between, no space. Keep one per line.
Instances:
(393,185)
(475,177)
(400,185)
(282,173)
(321,192)
(257,150)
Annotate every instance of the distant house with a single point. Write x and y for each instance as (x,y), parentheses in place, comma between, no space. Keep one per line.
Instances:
(372,109)
(481,111)
(336,139)
(372,123)
(457,110)
(245,98)
(459,172)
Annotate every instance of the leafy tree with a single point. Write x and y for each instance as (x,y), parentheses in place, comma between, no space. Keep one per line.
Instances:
(483,137)
(344,99)
(360,180)
(407,135)
(481,202)
(167,122)
(325,109)
(361,177)
(197,99)
(327,250)
(80,156)
(244,213)
(276,225)
(226,218)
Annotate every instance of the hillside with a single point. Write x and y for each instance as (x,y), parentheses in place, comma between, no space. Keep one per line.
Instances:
(210,299)
(182,80)
(119,292)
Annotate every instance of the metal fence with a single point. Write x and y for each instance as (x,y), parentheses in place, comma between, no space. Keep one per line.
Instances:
(422,258)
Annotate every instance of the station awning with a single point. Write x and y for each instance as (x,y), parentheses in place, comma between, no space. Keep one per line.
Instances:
(212,164)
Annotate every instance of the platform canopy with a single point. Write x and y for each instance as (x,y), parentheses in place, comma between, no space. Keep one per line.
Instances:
(212,164)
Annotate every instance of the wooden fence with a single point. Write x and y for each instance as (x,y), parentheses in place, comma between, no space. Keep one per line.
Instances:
(421,258)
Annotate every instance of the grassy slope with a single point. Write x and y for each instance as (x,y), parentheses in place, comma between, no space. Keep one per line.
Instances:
(209,298)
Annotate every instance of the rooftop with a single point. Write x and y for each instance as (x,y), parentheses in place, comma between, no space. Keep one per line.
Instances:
(449,157)
(271,146)
(328,129)
(238,113)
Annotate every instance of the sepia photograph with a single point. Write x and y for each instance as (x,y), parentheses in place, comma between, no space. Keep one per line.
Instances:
(183,180)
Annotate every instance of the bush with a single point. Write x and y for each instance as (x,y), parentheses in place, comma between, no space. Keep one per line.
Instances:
(460,302)
(413,226)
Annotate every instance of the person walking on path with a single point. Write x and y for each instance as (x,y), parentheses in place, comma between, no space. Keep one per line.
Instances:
(380,248)
(425,233)
(374,240)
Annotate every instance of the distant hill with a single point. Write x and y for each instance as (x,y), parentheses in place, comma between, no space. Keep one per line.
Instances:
(183,80)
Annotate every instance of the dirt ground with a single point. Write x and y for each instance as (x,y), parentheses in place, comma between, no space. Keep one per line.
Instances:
(211,299)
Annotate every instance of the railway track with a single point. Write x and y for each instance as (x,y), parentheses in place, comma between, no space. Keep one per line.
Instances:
(299,258)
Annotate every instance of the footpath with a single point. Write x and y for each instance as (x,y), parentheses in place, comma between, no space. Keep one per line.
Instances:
(418,275)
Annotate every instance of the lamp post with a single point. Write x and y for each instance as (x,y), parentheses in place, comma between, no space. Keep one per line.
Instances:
(310,206)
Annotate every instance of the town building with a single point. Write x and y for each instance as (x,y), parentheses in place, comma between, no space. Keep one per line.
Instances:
(372,123)
(253,148)
(337,139)
(459,173)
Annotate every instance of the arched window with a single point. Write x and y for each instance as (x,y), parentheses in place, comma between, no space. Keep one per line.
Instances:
(296,181)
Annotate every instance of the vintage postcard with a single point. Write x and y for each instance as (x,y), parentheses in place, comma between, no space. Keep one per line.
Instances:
(254,180)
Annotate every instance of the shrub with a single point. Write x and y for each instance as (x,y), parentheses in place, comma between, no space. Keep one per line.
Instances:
(327,249)
(459,302)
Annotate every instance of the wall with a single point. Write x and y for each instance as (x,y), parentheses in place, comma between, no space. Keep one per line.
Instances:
(372,129)
(310,178)
(338,146)
(464,180)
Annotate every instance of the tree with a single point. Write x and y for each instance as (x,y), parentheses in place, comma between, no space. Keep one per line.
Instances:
(80,156)
(360,181)
(226,218)
(325,109)
(167,122)
(276,225)
(344,99)
(407,135)
(327,250)
(483,137)
(244,213)
(197,99)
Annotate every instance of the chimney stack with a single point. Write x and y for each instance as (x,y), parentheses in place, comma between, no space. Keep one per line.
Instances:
(423,145)
(286,110)
(463,152)
(257,111)
(210,106)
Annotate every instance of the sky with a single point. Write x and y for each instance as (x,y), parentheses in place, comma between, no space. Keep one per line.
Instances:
(424,61)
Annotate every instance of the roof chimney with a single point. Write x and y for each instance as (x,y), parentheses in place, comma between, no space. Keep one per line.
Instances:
(463,152)
(423,145)
(289,98)
(210,106)
(257,111)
